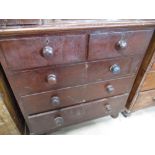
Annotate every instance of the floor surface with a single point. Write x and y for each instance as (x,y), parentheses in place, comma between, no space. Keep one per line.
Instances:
(139,122)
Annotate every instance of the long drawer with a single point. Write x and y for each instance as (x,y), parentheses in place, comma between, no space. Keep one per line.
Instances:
(24,53)
(55,99)
(45,122)
(45,79)
(105,45)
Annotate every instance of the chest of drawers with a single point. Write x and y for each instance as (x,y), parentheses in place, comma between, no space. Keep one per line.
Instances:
(143,95)
(62,77)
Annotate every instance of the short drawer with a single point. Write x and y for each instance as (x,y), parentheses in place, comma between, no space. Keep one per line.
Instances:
(144,99)
(32,52)
(45,79)
(149,82)
(55,99)
(113,44)
(45,122)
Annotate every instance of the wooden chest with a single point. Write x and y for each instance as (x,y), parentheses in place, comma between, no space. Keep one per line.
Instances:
(143,94)
(68,75)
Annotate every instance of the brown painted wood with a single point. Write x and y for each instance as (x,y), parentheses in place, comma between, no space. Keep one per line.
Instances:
(105,45)
(41,102)
(76,114)
(28,51)
(35,81)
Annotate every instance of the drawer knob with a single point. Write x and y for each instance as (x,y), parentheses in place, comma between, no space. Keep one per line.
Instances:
(59,121)
(52,79)
(115,69)
(48,51)
(55,100)
(110,88)
(122,44)
(108,107)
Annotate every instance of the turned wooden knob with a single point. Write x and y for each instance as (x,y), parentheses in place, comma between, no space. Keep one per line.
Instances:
(59,121)
(121,44)
(115,69)
(52,79)
(48,51)
(108,107)
(55,100)
(110,88)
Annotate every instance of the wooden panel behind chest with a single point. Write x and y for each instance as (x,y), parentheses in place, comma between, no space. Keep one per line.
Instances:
(11,120)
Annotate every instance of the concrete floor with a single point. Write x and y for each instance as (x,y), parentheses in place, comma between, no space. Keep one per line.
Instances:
(139,122)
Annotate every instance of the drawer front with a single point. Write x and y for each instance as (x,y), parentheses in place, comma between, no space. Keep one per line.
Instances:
(145,99)
(45,79)
(149,82)
(43,51)
(46,101)
(104,70)
(44,122)
(107,45)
